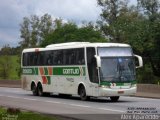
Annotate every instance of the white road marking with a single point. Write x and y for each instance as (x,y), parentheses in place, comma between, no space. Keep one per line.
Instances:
(80,105)
(29,99)
(52,102)
(13,91)
(111,110)
(13,97)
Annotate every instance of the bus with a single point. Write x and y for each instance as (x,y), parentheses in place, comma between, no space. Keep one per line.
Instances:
(81,68)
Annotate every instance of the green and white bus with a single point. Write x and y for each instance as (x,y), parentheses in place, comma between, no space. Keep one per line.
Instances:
(81,68)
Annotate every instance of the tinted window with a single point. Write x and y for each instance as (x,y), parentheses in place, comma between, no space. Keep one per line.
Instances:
(91,63)
(54,57)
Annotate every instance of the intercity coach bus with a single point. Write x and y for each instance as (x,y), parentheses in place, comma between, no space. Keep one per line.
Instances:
(81,68)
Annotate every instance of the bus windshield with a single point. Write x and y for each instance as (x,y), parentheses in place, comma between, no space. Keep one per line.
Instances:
(120,69)
(117,64)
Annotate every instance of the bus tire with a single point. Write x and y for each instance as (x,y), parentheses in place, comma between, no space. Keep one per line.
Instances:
(34,89)
(40,89)
(82,93)
(114,98)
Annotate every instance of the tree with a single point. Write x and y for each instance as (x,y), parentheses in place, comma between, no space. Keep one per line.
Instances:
(70,32)
(25,33)
(111,12)
(6,50)
(138,26)
(5,63)
(150,9)
(35,29)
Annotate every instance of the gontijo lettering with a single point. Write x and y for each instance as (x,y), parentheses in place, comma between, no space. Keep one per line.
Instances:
(71,71)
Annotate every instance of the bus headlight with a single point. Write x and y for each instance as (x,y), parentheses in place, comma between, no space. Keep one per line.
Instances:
(104,86)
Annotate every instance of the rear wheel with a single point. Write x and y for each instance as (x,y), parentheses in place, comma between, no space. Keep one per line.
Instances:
(82,93)
(34,89)
(114,98)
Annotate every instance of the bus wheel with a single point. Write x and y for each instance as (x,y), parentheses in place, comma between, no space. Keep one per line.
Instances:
(82,93)
(40,89)
(114,98)
(34,89)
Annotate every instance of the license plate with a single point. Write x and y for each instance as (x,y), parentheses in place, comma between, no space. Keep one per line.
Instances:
(120,92)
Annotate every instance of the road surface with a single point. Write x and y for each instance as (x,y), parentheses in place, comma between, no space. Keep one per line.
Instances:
(73,107)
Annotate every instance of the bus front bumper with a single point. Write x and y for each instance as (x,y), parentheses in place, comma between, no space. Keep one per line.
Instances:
(107,92)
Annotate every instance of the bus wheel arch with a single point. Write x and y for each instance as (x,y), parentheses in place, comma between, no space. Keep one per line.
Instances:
(82,92)
(34,88)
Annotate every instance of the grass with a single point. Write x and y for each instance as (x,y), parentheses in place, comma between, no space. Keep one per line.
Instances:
(13,69)
(4,114)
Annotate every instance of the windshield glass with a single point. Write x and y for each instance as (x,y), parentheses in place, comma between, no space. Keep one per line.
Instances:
(117,64)
(117,69)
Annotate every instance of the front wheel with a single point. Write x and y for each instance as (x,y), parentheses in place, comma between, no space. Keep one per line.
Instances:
(82,94)
(114,98)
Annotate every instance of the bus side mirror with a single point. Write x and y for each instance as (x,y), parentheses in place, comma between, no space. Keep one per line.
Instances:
(98,60)
(140,61)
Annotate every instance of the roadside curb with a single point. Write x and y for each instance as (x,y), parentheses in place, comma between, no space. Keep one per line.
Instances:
(148,95)
(10,83)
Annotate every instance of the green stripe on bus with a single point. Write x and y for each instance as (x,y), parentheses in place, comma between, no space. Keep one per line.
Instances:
(45,71)
(49,80)
(36,71)
(66,71)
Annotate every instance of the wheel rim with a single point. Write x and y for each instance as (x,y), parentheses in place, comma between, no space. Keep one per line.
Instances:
(82,93)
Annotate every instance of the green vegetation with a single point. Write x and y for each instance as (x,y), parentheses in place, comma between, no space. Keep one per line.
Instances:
(9,67)
(4,114)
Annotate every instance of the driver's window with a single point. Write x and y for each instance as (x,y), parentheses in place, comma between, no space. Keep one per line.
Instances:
(92,67)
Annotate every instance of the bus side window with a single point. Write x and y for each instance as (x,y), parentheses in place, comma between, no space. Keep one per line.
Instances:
(48,58)
(91,63)
(58,57)
(25,59)
(80,56)
(41,58)
(30,59)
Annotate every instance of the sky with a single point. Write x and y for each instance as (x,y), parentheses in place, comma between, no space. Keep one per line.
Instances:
(13,11)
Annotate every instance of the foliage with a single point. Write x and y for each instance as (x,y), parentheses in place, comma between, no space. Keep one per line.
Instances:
(23,115)
(137,25)
(112,10)
(34,30)
(69,32)
(9,67)
(5,65)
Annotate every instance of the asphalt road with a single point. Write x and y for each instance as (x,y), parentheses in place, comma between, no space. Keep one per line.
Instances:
(73,107)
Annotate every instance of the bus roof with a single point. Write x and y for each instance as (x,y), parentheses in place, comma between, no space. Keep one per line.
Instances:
(86,44)
(75,45)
